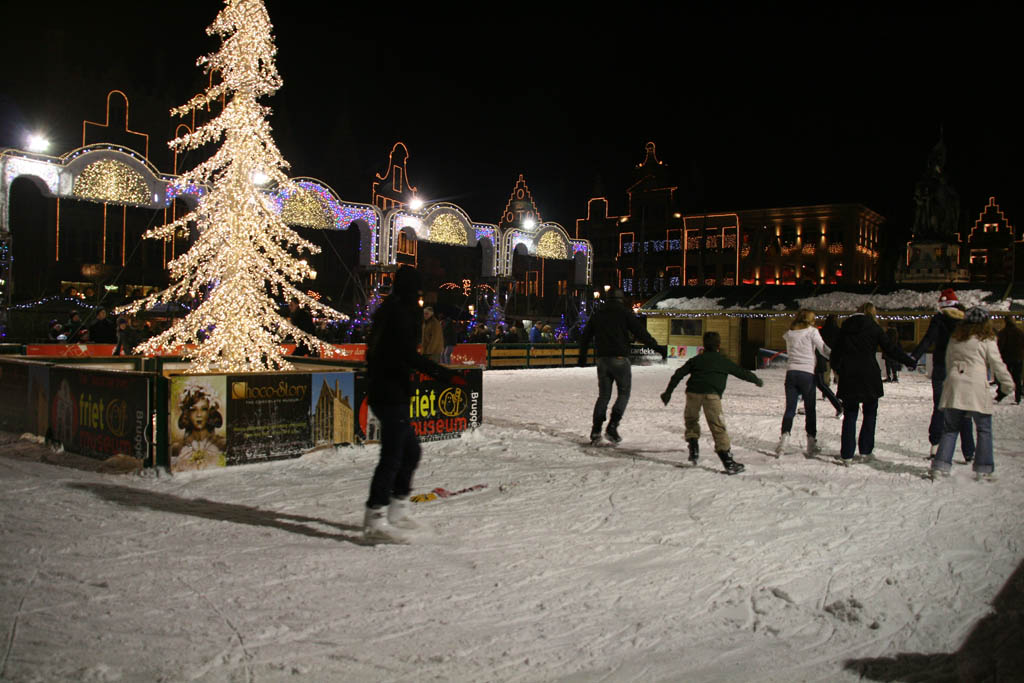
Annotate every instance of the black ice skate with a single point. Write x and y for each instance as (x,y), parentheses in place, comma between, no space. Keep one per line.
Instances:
(694,450)
(611,432)
(731,466)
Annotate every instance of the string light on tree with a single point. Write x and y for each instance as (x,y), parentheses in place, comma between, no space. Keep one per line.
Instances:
(243,249)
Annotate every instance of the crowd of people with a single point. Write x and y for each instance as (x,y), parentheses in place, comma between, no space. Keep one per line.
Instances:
(403,337)
(965,352)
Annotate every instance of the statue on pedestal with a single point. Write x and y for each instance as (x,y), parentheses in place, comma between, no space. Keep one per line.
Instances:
(937,213)
(933,254)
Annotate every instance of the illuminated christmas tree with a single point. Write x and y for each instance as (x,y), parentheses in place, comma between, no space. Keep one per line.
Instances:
(496,314)
(242,257)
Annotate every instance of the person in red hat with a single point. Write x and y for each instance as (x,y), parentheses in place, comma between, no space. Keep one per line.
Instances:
(940,328)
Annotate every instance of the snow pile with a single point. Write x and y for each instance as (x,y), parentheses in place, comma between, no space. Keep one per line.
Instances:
(698,303)
(574,563)
(903,299)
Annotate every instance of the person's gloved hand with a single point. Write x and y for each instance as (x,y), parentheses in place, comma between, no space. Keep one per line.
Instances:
(666,397)
(759,382)
(1000,395)
(912,366)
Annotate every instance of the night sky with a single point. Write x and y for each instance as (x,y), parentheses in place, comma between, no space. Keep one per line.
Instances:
(748,110)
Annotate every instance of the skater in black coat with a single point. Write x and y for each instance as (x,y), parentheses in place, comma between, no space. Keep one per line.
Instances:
(860,381)
(391,358)
(610,328)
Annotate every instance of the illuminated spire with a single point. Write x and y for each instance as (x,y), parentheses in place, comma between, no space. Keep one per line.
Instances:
(242,254)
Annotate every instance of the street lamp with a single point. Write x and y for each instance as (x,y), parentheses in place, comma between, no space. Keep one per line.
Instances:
(415,204)
(37,142)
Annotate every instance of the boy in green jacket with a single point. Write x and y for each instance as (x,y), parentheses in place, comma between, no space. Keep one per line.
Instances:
(708,372)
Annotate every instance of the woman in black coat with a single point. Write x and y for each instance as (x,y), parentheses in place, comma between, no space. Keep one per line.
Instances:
(860,381)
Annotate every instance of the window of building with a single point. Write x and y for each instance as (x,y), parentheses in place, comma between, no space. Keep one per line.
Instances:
(835,235)
(532,282)
(406,245)
(904,329)
(979,256)
(691,327)
(787,236)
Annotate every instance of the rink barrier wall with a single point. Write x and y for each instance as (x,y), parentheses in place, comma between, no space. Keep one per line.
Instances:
(100,407)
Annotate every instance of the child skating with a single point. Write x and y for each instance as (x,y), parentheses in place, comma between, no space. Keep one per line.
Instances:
(708,373)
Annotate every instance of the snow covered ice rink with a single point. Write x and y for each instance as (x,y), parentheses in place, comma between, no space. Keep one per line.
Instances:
(576,563)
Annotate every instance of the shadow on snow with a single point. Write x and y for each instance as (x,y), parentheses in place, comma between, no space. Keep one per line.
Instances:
(223,512)
(993,651)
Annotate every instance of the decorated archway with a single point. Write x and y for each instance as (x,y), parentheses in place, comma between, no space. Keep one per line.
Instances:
(550,241)
(311,203)
(99,173)
(441,223)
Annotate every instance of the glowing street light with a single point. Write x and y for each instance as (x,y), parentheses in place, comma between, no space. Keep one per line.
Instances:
(415,203)
(529,223)
(37,142)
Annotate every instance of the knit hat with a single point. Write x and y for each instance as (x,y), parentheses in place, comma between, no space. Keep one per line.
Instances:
(947,298)
(976,315)
(407,284)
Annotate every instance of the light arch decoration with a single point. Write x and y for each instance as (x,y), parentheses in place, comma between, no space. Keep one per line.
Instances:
(311,203)
(551,241)
(441,223)
(103,173)
(108,180)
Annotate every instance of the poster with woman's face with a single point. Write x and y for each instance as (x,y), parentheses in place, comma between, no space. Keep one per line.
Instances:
(197,429)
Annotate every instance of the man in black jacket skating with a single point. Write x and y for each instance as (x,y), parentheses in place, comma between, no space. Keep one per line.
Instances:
(610,328)
(391,357)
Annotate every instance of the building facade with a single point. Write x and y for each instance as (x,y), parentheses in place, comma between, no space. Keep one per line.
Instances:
(990,249)
(655,245)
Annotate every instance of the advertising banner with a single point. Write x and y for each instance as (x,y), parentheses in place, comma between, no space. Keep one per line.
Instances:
(99,414)
(469,354)
(683,353)
(437,410)
(69,350)
(332,407)
(641,355)
(196,425)
(13,392)
(349,352)
(268,417)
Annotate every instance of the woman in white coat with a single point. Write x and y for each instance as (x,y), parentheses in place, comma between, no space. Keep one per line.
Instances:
(803,342)
(971,352)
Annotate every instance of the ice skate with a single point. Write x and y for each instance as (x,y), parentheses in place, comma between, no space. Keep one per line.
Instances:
(694,450)
(933,450)
(937,475)
(595,433)
(780,448)
(400,514)
(813,448)
(612,433)
(730,465)
(985,476)
(377,529)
